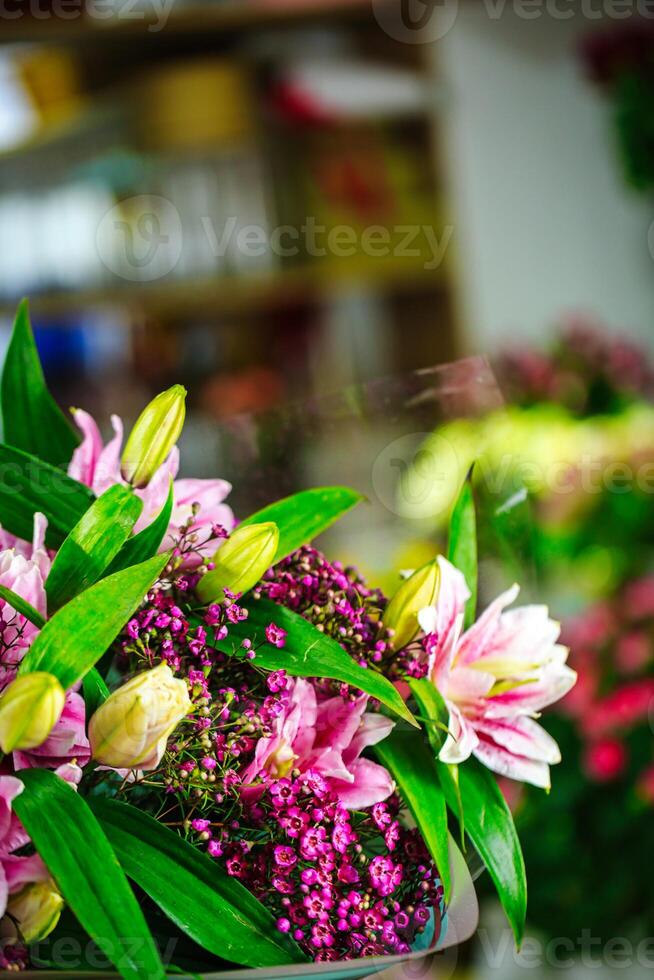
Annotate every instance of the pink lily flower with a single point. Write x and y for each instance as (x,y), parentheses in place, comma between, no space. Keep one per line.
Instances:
(15,871)
(98,467)
(23,569)
(495,678)
(326,737)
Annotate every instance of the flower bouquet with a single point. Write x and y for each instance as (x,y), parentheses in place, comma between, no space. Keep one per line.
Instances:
(222,749)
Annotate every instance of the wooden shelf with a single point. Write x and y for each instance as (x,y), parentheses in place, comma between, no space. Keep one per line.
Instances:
(215,17)
(241,295)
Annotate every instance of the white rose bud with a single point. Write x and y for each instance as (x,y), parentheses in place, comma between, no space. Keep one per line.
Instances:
(36,909)
(131,728)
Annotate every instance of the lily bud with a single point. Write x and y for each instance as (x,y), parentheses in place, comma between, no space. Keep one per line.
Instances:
(29,709)
(417,592)
(131,728)
(241,561)
(36,909)
(156,431)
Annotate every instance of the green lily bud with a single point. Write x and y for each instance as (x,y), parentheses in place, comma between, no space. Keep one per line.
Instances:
(36,909)
(417,592)
(240,562)
(156,431)
(29,709)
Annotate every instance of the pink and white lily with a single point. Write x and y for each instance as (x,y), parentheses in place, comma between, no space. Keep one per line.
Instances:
(326,737)
(495,678)
(98,467)
(23,569)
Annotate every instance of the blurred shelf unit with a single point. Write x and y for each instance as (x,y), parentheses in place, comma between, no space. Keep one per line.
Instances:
(186,171)
(118,22)
(236,296)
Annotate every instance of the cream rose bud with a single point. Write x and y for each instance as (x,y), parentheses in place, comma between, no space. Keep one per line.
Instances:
(35,910)
(131,728)
(29,709)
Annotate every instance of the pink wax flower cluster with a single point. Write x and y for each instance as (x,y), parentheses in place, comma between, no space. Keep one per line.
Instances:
(495,677)
(199,505)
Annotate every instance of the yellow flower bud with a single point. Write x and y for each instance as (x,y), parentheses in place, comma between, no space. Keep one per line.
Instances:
(36,909)
(417,592)
(131,728)
(29,709)
(241,561)
(156,431)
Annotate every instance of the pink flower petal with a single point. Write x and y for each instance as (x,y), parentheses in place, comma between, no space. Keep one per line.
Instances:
(83,463)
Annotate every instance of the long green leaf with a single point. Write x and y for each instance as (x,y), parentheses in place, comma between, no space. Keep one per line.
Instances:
(22,607)
(79,633)
(434,711)
(308,653)
(92,544)
(408,757)
(28,485)
(32,420)
(216,911)
(490,827)
(79,857)
(147,542)
(304,515)
(462,549)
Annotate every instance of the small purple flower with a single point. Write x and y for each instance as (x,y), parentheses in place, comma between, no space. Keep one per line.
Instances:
(276,635)
(285,856)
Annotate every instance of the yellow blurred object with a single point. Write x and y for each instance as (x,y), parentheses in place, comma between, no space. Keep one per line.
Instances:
(196,105)
(50,77)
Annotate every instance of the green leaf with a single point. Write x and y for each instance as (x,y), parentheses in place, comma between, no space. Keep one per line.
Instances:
(28,485)
(92,544)
(147,542)
(409,759)
(506,530)
(79,857)
(462,549)
(94,690)
(449,777)
(22,607)
(79,633)
(490,827)
(433,709)
(304,515)
(216,911)
(308,653)
(32,420)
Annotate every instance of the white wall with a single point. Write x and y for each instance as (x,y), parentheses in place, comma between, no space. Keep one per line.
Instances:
(544,222)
